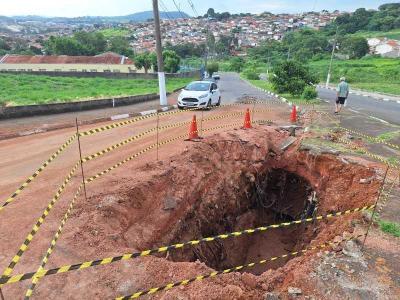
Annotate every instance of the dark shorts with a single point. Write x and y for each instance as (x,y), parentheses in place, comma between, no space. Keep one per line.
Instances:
(341,100)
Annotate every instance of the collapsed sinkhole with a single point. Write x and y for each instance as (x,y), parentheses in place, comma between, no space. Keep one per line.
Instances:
(271,198)
(230,182)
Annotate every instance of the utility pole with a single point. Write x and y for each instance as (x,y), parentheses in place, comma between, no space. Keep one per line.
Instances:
(160,61)
(328,78)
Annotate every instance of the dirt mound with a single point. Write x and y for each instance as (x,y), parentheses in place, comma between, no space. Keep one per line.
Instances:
(228,182)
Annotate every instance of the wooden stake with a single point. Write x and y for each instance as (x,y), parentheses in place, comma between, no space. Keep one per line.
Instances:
(376,205)
(80,156)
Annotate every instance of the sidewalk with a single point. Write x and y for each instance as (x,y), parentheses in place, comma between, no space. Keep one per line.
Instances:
(375,95)
(11,128)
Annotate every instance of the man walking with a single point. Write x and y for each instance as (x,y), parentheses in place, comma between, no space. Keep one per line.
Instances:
(342,92)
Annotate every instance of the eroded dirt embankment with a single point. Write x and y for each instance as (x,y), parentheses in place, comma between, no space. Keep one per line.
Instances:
(228,182)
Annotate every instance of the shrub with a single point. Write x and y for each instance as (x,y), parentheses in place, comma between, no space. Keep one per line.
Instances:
(251,74)
(291,77)
(309,93)
(236,64)
(212,68)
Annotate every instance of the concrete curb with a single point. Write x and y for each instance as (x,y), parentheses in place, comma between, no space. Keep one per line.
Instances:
(365,94)
(22,111)
(86,122)
(272,94)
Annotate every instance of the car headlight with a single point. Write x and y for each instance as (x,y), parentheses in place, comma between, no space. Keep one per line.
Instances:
(203,96)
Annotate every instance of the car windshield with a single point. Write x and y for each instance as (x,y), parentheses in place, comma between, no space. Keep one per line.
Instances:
(198,86)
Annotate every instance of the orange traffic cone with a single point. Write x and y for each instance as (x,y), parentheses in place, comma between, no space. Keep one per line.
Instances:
(193,132)
(293,115)
(247,121)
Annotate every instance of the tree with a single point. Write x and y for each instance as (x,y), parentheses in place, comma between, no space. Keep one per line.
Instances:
(81,43)
(64,46)
(171,61)
(154,63)
(306,43)
(210,13)
(236,64)
(92,42)
(4,45)
(355,47)
(212,68)
(187,49)
(143,61)
(120,45)
(291,77)
(211,41)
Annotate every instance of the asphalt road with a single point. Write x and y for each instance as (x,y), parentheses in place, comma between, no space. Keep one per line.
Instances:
(233,89)
(388,111)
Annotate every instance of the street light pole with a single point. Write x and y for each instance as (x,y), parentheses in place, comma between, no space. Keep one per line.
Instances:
(328,78)
(160,61)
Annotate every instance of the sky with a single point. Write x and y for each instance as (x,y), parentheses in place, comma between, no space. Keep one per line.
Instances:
(74,8)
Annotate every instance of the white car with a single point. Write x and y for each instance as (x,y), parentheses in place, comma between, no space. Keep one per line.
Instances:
(199,94)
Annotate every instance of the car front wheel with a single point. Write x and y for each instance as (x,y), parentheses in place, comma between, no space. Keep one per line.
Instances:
(209,105)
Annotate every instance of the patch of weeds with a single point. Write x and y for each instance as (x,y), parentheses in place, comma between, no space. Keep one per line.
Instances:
(393,160)
(388,135)
(358,151)
(390,228)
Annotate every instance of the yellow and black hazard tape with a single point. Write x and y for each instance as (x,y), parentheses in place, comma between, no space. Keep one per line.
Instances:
(40,221)
(127,256)
(374,156)
(386,198)
(127,141)
(141,118)
(49,251)
(234,269)
(153,146)
(38,224)
(114,125)
(59,231)
(37,172)
(371,138)
(150,131)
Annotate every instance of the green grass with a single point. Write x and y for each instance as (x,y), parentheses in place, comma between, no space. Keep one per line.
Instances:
(387,136)
(393,34)
(390,228)
(112,32)
(393,160)
(37,89)
(268,86)
(370,73)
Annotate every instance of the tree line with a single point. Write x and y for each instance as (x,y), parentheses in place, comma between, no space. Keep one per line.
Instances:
(87,44)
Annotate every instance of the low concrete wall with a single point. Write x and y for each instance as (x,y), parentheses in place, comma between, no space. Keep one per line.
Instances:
(110,75)
(55,108)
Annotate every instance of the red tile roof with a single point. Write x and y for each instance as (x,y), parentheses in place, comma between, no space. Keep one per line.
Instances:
(108,58)
(393,43)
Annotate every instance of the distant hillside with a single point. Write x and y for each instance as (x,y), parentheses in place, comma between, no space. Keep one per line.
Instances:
(136,17)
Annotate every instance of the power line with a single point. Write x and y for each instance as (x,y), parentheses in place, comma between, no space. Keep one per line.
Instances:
(165,9)
(179,9)
(315,5)
(193,8)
